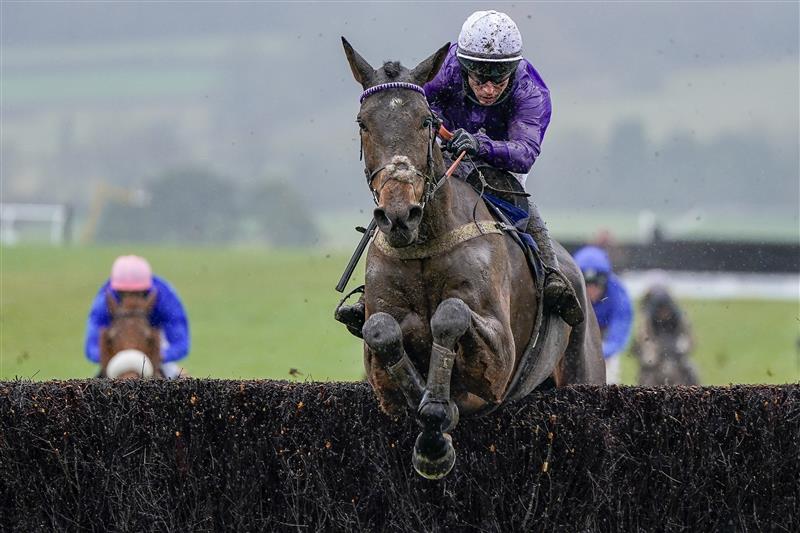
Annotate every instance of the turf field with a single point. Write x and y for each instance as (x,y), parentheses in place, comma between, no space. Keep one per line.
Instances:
(257,313)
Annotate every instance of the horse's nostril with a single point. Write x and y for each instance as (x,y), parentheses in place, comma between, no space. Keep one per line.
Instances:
(381,219)
(414,215)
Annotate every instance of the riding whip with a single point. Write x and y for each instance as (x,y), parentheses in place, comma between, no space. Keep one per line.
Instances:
(351,265)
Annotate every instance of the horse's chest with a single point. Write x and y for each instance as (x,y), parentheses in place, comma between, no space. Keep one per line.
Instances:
(421,285)
(464,271)
(454,277)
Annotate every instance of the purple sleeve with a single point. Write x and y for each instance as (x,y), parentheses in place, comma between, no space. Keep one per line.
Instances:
(433,92)
(526,128)
(439,88)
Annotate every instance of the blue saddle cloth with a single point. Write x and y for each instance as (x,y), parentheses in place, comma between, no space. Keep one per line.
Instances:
(516,216)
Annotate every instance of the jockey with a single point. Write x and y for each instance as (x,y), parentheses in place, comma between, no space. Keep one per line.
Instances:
(498,108)
(611,304)
(131,275)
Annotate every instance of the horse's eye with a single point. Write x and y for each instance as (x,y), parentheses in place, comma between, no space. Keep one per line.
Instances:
(427,123)
(361,125)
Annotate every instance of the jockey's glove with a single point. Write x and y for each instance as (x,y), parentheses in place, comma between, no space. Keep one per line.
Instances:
(463,141)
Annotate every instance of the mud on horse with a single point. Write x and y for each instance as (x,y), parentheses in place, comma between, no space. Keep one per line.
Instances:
(130,346)
(451,303)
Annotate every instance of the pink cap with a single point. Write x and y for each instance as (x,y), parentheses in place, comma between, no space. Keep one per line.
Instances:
(131,273)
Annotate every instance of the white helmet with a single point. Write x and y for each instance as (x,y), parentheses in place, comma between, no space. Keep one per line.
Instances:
(490,36)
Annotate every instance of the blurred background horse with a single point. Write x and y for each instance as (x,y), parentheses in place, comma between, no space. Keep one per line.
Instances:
(664,342)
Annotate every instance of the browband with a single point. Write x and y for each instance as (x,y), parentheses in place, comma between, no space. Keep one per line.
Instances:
(391,85)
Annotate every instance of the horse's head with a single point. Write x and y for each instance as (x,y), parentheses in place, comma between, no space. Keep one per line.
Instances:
(130,332)
(397,139)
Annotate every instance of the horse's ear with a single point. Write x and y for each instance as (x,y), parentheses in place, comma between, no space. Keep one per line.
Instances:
(151,300)
(427,70)
(362,71)
(111,302)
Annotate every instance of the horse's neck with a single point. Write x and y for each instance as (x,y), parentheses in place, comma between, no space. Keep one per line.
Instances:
(453,205)
(131,323)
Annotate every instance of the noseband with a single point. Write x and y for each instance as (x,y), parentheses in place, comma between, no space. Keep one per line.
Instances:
(432,184)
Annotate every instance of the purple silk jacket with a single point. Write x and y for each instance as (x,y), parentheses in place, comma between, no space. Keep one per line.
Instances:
(513,129)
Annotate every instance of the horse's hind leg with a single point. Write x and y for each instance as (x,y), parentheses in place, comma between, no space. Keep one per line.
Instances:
(434,455)
(583,358)
(384,337)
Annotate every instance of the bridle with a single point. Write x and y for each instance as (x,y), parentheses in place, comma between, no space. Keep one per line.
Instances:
(431,183)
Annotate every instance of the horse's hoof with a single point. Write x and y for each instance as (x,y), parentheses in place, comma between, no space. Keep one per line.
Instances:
(439,414)
(436,467)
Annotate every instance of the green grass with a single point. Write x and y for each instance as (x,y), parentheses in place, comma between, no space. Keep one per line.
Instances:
(741,342)
(256,313)
(253,313)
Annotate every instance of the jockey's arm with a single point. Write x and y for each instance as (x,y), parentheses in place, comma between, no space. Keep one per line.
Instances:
(525,132)
(177,334)
(174,324)
(619,330)
(98,319)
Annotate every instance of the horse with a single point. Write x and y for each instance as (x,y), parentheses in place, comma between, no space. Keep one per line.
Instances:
(451,304)
(130,346)
(663,342)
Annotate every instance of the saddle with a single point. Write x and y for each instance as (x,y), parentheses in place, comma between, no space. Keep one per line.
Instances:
(507,201)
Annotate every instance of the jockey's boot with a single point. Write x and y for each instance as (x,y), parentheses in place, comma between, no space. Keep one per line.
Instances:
(352,316)
(558,292)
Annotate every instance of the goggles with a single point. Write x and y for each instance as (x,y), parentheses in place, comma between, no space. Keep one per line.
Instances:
(485,71)
(481,80)
(594,277)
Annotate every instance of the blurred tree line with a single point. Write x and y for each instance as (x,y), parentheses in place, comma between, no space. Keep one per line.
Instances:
(632,171)
(196,206)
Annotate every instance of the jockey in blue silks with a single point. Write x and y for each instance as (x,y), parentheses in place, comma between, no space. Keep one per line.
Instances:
(611,304)
(132,274)
(498,108)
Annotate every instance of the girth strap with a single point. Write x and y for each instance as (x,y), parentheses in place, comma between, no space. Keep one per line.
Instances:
(441,244)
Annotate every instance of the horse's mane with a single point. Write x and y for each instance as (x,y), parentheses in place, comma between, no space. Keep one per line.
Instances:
(393,69)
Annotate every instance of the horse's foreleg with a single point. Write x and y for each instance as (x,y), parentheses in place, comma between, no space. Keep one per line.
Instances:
(384,337)
(434,455)
(448,324)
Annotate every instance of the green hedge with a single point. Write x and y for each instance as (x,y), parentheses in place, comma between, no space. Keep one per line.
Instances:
(264,455)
